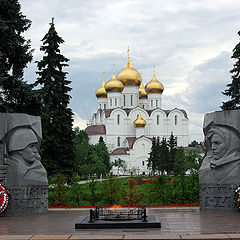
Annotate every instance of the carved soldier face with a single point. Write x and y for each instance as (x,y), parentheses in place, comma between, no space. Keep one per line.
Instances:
(219,147)
(30,154)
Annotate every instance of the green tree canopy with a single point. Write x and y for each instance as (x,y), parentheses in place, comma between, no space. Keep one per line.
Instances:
(233,90)
(57,145)
(163,156)
(172,145)
(15,94)
(153,159)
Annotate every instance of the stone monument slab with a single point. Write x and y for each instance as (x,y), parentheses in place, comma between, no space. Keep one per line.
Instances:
(220,171)
(21,168)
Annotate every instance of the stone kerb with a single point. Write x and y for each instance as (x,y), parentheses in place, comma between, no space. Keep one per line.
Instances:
(219,174)
(20,163)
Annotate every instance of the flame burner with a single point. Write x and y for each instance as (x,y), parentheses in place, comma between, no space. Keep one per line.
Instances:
(118,217)
(118,214)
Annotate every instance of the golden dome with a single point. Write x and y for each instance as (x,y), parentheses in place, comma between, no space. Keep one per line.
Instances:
(139,122)
(114,85)
(129,76)
(154,86)
(101,92)
(142,92)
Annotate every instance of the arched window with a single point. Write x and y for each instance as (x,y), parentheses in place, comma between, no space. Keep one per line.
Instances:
(175,119)
(131,100)
(118,119)
(143,106)
(151,103)
(157,119)
(115,101)
(156,103)
(142,163)
(104,106)
(118,141)
(110,102)
(124,100)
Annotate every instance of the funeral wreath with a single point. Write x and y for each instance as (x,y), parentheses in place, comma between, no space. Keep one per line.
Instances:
(4,198)
(237,197)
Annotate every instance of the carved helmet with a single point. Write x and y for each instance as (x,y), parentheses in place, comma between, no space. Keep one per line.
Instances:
(20,139)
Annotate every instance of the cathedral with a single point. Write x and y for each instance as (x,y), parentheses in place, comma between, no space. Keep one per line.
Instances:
(130,114)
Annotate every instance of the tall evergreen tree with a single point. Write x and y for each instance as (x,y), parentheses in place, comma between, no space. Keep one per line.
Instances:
(233,90)
(103,154)
(172,145)
(153,159)
(15,94)
(163,156)
(57,145)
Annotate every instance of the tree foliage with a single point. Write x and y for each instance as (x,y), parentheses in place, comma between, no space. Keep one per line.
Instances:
(163,156)
(153,159)
(57,145)
(233,90)
(111,190)
(172,145)
(90,159)
(159,156)
(131,193)
(15,94)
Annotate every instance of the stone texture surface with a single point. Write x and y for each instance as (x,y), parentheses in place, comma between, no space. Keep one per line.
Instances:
(180,221)
(220,170)
(20,163)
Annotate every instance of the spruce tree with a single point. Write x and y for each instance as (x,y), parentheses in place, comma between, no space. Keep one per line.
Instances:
(172,145)
(15,94)
(233,90)
(57,145)
(153,160)
(163,156)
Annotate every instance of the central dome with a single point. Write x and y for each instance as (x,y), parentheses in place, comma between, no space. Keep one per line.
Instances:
(129,76)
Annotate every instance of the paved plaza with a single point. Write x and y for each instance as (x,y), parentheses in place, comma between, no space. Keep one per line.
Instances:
(177,223)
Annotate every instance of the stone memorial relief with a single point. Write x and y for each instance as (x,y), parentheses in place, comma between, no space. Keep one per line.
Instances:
(220,170)
(25,176)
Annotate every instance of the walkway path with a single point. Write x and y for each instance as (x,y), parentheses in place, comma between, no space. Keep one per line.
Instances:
(177,223)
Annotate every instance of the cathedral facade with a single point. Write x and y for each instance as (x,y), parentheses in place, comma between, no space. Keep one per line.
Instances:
(130,114)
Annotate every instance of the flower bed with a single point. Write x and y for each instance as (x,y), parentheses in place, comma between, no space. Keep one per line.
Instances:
(137,205)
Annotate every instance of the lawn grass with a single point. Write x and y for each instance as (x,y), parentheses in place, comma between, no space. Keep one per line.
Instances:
(168,192)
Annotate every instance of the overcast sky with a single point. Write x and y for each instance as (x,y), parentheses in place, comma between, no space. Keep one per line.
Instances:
(189,41)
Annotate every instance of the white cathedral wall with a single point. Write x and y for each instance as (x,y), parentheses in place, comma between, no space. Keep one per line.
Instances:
(178,124)
(143,103)
(120,171)
(158,128)
(129,91)
(115,129)
(102,103)
(131,131)
(114,99)
(93,139)
(139,155)
(154,100)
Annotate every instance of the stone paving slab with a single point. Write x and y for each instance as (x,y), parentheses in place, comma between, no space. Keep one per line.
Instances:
(123,237)
(206,237)
(183,223)
(15,237)
(152,236)
(99,237)
(50,237)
